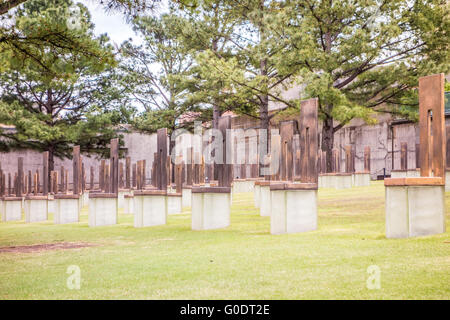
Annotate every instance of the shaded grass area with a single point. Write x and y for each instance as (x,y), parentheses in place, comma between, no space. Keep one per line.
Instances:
(242,261)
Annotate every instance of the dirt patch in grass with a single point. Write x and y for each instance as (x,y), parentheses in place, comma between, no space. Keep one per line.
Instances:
(46,246)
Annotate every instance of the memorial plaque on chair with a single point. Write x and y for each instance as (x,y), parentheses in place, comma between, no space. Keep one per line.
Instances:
(308,129)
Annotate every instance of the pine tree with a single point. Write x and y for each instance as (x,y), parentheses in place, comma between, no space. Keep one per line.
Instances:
(14,45)
(62,97)
(362,56)
(153,69)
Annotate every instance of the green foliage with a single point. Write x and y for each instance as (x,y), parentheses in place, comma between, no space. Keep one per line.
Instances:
(237,68)
(447,86)
(154,71)
(357,57)
(363,55)
(61,96)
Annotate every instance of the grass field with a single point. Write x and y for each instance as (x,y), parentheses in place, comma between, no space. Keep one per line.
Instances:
(242,261)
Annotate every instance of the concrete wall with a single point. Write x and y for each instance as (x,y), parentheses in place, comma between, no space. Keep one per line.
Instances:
(139,147)
(356,133)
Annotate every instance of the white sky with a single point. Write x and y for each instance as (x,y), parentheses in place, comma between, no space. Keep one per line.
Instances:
(111,23)
(114,23)
(115,26)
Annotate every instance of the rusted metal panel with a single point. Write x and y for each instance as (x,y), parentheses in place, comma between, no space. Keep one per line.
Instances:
(348,159)
(127,172)
(101,175)
(76,169)
(308,129)
(91,178)
(432,125)
(134,175)
(162,159)
(19,177)
(114,166)
(45,174)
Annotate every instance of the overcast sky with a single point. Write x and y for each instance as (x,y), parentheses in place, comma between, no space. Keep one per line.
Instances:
(111,23)
(115,26)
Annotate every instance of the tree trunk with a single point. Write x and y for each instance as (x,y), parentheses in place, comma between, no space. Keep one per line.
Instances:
(328,141)
(264,112)
(216,116)
(51,164)
(264,100)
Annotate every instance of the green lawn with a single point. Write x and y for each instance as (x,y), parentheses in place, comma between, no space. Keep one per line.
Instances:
(242,261)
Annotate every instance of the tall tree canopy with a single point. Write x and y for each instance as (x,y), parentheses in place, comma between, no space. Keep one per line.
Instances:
(15,43)
(154,68)
(62,97)
(363,55)
(356,56)
(211,26)
(246,69)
